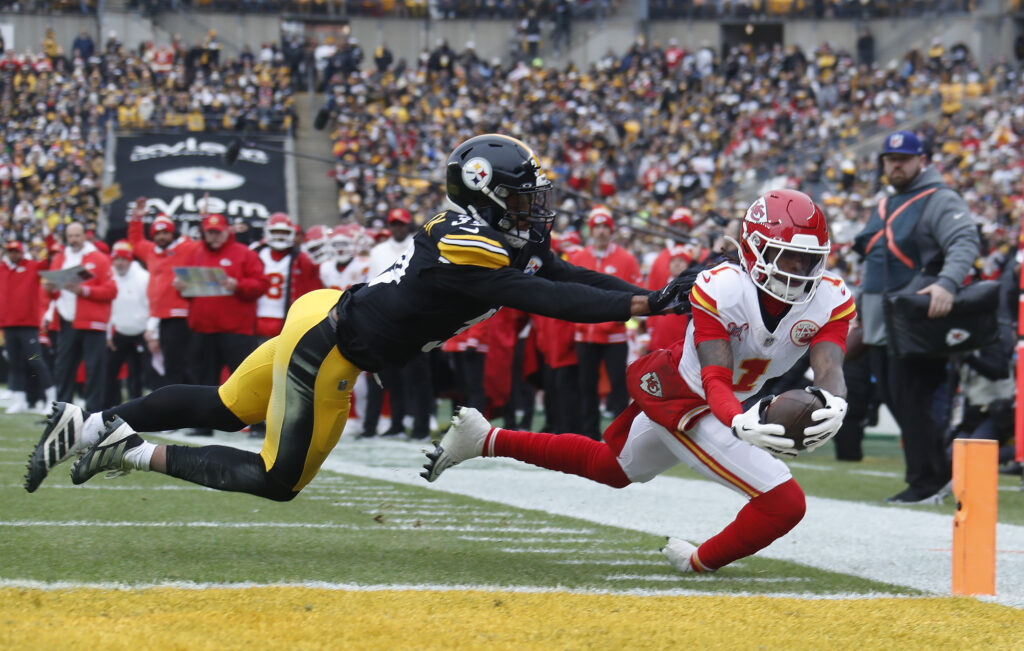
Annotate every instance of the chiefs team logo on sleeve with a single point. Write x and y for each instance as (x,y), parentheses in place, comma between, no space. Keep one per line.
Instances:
(650,383)
(803,331)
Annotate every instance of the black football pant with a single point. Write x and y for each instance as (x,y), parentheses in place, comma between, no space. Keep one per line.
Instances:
(850,437)
(410,391)
(561,398)
(909,388)
(130,350)
(212,351)
(469,375)
(590,357)
(175,338)
(25,357)
(74,346)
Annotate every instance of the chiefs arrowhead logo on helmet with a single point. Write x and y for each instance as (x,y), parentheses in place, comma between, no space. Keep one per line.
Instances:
(757,212)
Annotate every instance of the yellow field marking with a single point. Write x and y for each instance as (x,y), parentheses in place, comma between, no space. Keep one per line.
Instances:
(310,618)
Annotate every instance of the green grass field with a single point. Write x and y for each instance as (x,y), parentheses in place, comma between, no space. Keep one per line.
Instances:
(360,535)
(349,529)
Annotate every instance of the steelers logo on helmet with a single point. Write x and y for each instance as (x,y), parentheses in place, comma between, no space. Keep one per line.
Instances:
(476,173)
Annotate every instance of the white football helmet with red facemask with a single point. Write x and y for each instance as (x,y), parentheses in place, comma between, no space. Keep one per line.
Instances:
(316,244)
(784,245)
(279,232)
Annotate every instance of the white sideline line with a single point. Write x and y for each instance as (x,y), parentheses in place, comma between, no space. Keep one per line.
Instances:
(593,550)
(204,524)
(176,525)
(421,587)
(507,539)
(706,578)
(592,561)
(119,487)
(878,473)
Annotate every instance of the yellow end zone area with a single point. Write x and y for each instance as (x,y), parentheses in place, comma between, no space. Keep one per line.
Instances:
(308,618)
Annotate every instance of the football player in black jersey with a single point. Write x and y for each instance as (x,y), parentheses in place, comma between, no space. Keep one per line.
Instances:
(489,249)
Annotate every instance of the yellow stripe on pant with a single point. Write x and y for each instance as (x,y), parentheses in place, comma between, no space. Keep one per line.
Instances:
(301,385)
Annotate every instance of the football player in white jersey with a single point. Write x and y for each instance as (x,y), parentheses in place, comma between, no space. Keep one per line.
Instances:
(343,244)
(358,269)
(290,271)
(752,320)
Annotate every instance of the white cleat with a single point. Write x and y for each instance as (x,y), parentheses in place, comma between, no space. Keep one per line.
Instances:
(61,439)
(679,553)
(465,439)
(108,453)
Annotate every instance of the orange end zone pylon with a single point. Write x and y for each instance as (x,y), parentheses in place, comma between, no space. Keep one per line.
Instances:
(975,487)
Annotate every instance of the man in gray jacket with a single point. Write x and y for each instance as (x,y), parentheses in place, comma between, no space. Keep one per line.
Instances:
(923,227)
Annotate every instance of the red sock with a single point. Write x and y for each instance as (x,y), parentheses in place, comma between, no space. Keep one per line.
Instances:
(763,519)
(569,453)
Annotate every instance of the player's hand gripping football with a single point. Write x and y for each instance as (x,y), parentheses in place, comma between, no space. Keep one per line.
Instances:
(750,427)
(828,419)
(674,297)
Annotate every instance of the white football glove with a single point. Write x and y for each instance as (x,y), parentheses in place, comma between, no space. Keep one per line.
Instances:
(749,427)
(828,419)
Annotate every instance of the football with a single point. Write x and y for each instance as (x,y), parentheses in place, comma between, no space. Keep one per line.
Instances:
(793,410)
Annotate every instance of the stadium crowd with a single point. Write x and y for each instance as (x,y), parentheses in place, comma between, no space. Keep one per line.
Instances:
(656,145)
(59,104)
(451,9)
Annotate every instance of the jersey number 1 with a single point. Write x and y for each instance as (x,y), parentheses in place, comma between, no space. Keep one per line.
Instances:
(753,369)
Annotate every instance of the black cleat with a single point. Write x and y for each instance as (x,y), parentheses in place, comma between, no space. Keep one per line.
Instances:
(61,439)
(108,453)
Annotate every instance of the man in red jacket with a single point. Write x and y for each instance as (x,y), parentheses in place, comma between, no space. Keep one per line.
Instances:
(161,256)
(603,342)
(83,309)
(224,327)
(20,319)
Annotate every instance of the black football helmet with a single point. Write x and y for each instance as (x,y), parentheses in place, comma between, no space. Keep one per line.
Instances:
(500,180)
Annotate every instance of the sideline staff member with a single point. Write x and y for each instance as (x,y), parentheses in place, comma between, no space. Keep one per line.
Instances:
(923,227)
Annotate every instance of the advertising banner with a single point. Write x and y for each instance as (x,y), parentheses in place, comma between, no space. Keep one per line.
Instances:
(174,171)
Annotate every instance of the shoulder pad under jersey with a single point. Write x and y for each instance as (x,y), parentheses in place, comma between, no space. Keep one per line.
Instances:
(719,285)
(466,240)
(834,293)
